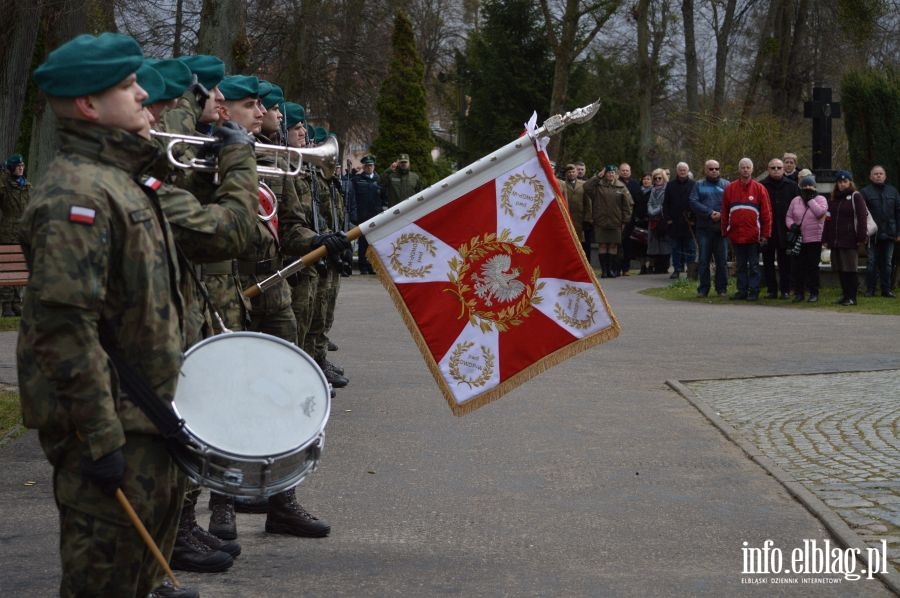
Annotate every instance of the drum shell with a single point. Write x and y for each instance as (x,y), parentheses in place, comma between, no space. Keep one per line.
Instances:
(255,408)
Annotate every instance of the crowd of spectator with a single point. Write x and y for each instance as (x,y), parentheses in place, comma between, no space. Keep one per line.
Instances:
(777,227)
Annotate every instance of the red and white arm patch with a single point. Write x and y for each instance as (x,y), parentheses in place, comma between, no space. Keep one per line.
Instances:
(82,215)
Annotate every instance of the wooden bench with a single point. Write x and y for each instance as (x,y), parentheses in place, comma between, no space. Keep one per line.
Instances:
(13,269)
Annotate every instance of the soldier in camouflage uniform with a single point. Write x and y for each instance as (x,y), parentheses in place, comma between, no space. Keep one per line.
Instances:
(305,282)
(400,183)
(206,230)
(14,192)
(101,258)
(271,312)
(331,210)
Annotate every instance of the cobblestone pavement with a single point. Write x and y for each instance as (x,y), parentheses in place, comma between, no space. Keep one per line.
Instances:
(837,434)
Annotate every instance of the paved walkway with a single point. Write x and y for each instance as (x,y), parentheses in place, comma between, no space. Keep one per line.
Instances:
(837,434)
(593,479)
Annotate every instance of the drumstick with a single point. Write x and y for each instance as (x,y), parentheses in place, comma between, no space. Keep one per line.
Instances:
(145,535)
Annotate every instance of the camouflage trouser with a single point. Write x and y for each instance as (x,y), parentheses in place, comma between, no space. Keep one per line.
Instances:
(224,292)
(102,553)
(280,323)
(302,301)
(316,342)
(334,288)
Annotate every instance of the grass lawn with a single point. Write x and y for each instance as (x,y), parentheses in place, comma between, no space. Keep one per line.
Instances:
(7,324)
(686,290)
(10,415)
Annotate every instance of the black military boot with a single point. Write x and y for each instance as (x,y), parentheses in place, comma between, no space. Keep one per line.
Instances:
(335,379)
(336,368)
(189,519)
(286,516)
(190,554)
(222,520)
(167,590)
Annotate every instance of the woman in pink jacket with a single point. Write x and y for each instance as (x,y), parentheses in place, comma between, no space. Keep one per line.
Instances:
(807,212)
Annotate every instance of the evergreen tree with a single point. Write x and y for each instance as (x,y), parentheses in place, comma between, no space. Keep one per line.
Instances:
(871,110)
(509,75)
(402,107)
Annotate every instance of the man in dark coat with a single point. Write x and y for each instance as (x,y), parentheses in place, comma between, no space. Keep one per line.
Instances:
(678,216)
(781,191)
(365,188)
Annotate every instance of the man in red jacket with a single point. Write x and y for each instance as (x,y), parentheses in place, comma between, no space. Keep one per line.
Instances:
(747,222)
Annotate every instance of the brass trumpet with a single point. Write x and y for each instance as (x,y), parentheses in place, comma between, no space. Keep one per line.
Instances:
(206,165)
(325,155)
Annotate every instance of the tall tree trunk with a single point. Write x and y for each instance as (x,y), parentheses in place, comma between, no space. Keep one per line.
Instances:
(222,33)
(179,28)
(17,41)
(692,69)
(723,37)
(763,54)
(646,86)
(68,19)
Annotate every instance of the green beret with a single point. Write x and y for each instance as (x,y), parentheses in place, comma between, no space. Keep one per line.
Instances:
(321,134)
(152,82)
(13,161)
(238,87)
(310,133)
(369,159)
(88,64)
(293,114)
(270,95)
(209,70)
(176,75)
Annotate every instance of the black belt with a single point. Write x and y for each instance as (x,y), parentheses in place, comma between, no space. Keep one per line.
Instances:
(217,268)
(261,267)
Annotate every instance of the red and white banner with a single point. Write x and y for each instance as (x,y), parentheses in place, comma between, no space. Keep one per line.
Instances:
(489,276)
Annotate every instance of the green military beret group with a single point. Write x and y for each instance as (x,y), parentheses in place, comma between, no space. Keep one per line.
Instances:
(90,64)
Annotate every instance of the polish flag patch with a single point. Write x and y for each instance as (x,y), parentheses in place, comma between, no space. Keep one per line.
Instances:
(82,215)
(152,183)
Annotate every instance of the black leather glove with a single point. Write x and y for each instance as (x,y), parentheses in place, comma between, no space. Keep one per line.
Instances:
(335,243)
(107,471)
(231,133)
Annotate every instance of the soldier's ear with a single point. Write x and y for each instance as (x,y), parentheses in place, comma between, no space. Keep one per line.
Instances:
(86,108)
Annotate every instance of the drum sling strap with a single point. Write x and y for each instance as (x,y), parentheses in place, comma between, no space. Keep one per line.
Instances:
(142,395)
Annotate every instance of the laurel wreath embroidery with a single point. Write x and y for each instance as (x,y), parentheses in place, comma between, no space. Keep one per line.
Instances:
(474,250)
(510,185)
(397,245)
(564,317)
(486,371)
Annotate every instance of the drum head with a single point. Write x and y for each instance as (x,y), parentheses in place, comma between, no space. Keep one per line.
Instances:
(252,394)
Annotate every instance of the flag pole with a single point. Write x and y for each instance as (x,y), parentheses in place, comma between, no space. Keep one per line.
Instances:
(403,213)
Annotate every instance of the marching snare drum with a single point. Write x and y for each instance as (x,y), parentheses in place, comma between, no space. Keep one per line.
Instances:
(255,408)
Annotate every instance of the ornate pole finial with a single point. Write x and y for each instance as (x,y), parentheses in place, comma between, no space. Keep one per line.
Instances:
(557,123)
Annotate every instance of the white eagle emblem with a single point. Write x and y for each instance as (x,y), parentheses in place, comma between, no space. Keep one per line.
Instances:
(498,281)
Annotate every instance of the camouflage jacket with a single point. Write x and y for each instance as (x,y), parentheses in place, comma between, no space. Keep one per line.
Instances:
(101,256)
(214,230)
(293,237)
(306,206)
(13,200)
